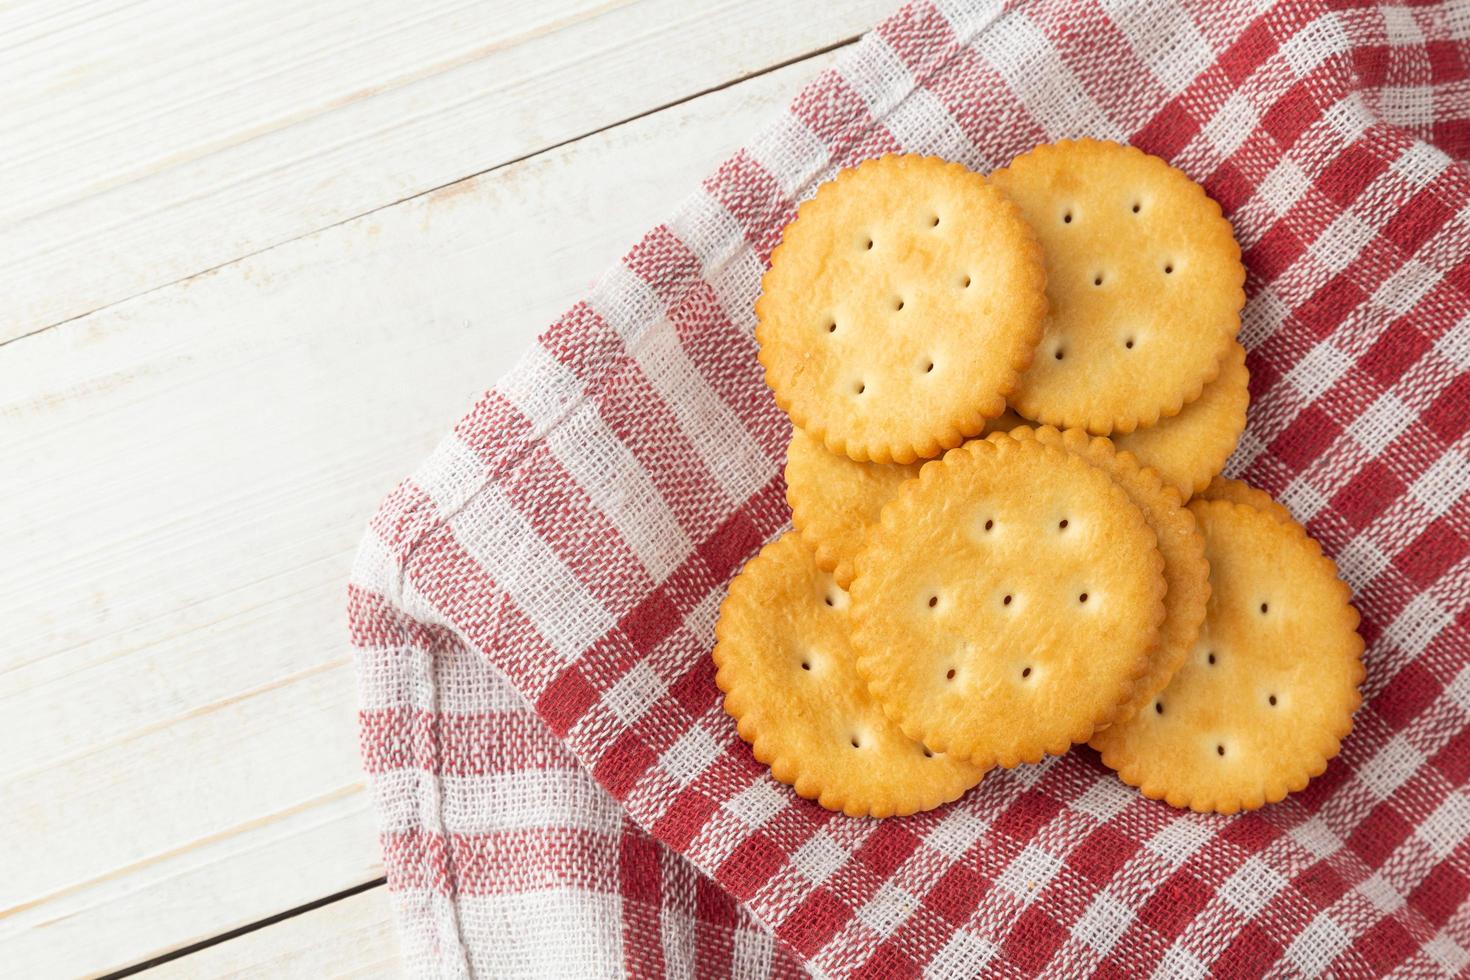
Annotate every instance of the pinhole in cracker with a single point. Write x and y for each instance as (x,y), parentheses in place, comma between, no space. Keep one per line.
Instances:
(1268,693)
(900,308)
(1186,573)
(1006,602)
(833,498)
(784,660)
(1144,281)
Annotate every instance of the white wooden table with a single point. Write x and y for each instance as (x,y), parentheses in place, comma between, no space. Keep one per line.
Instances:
(254,259)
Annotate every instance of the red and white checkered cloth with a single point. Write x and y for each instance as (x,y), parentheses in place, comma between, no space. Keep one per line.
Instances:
(561,793)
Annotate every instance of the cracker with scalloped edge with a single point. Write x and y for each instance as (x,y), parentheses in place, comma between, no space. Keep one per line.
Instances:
(1190,449)
(900,308)
(784,660)
(1240,492)
(1268,693)
(833,499)
(1144,281)
(1186,573)
(1006,602)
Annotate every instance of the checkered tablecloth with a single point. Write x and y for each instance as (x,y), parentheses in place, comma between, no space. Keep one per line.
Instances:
(560,793)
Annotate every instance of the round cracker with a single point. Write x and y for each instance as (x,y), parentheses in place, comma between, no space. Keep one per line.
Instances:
(1006,602)
(784,661)
(833,499)
(1240,492)
(900,308)
(1191,448)
(1269,691)
(1186,573)
(1144,280)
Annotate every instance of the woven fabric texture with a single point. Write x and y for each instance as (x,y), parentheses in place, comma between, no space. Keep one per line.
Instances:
(559,790)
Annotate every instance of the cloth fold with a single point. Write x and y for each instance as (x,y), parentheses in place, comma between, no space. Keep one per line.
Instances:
(560,793)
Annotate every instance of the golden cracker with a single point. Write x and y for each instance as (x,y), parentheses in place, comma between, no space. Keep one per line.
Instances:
(1144,281)
(833,499)
(900,308)
(1190,449)
(784,661)
(1268,693)
(1186,573)
(1006,602)
(1240,492)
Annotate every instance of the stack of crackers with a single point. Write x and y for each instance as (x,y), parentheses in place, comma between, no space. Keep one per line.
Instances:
(1012,399)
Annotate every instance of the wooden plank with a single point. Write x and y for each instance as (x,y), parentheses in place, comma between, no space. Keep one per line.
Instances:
(205,887)
(187,475)
(352,937)
(129,167)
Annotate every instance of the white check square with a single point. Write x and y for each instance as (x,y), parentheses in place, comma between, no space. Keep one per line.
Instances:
(889,908)
(1382,423)
(1316,946)
(690,755)
(1104,921)
(1179,839)
(1421,621)
(1180,964)
(1028,874)
(1447,826)
(1444,483)
(819,858)
(963,956)
(757,803)
(1252,886)
(1391,767)
(631,696)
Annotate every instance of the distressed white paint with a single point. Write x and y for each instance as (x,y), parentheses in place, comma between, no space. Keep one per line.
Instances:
(187,471)
(352,937)
(147,141)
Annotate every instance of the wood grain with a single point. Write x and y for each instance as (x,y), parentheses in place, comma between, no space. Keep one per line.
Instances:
(349,938)
(187,476)
(149,141)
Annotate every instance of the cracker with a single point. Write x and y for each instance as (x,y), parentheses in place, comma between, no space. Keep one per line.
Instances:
(1268,693)
(1006,602)
(1004,422)
(1186,573)
(1241,492)
(1191,448)
(784,661)
(833,498)
(900,308)
(1144,279)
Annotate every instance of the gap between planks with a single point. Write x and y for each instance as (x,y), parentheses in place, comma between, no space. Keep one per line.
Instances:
(814,53)
(96,95)
(244,930)
(347,893)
